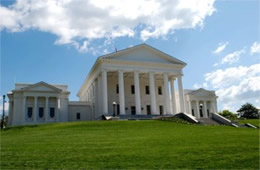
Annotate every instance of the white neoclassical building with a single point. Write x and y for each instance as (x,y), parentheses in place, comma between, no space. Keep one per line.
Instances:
(140,80)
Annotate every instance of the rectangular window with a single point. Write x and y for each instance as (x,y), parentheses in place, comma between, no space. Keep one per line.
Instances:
(41,111)
(29,112)
(132,89)
(147,90)
(118,109)
(192,111)
(201,114)
(117,89)
(161,109)
(78,116)
(133,110)
(160,90)
(148,109)
(52,112)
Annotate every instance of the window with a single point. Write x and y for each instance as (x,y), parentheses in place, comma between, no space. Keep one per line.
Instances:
(41,111)
(160,90)
(201,114)
(148,109)
(147,90)
(133,112)
(117,89)
(132,89)
(52,112)
(78,116)
(161,109)
(208,112)
(29,112)
(192,111)
(118,109)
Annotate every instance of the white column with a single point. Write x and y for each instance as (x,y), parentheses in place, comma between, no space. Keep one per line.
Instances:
(213,106)
(205,109)
(104,90)
(152,93)
(99,97)
(121,92)
(46,108)
(216,107)
(198,109)
(137,93)
(181,95)
(35,109)
(166,93)
(58,110)
(190,109)
(24,108)
(174,110)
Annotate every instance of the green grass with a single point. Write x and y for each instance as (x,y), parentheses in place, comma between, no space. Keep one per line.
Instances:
(129,144)
(255,122)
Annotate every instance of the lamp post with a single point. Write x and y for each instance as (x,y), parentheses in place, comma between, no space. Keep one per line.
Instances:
(3,116)
(114,108)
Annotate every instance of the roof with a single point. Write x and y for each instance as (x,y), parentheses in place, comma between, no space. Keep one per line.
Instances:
(28,86)
(143,45)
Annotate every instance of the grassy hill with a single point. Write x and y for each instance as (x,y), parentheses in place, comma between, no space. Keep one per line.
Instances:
(129,144)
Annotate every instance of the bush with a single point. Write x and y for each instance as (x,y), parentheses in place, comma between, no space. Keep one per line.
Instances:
(227,114)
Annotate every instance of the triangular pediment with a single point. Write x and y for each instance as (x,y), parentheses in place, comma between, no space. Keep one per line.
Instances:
(202,92)
(41,86)
(143,53)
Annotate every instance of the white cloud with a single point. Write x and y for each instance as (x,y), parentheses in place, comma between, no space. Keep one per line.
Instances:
(79,22)
(197,86)
(236,85)
(221,47)
(255,48)
(231,57)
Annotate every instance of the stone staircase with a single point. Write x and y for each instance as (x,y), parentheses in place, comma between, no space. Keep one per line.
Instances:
(207,121)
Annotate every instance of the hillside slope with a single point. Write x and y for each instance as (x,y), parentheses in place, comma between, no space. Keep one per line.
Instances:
(129,144)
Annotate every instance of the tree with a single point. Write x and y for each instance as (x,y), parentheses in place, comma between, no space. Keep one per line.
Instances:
(228,114)
(248,111)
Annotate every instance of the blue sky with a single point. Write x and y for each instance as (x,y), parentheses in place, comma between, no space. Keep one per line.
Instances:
(219,40)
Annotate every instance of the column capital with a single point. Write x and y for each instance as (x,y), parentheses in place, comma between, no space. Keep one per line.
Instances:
(172,78)
(121,71)
(180,75)
(137,71)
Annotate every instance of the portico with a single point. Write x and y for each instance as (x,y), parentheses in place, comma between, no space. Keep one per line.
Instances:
(38,103)
(41,108)
(128,83)
(138,87)
(201,102)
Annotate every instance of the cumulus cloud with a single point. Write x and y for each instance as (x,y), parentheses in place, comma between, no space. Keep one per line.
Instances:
(221,47)
(231,57)
(255,48)
(236,85)
(78,22)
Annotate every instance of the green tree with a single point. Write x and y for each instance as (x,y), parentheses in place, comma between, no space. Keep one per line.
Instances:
(228,114)
(248,111)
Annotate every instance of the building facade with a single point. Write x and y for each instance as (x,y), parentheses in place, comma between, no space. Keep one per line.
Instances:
(140,80)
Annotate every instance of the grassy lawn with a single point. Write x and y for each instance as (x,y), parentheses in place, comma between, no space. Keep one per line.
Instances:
(255,122)
(129,144)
